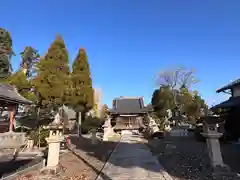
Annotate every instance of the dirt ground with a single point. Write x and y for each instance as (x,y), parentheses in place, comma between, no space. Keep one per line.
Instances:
(186,159)
(84,162)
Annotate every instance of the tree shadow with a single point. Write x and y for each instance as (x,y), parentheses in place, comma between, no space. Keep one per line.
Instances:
(129,155)
(99,172)
(183,158)
(231,156)
(9,166)
(186,158)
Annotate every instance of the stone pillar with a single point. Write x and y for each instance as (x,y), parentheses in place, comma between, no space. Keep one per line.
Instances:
(94,136)
(214,150)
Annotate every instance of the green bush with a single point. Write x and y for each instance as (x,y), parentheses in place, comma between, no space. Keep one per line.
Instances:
(85,128)
(91,123)
(36,136)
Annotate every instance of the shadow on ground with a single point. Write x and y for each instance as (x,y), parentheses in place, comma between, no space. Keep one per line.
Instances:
(127,158)
(183,158)
(8,167)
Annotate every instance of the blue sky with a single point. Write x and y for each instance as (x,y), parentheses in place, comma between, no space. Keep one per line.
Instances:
(129,41)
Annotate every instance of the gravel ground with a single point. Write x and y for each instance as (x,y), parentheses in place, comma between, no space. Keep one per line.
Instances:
(186,159)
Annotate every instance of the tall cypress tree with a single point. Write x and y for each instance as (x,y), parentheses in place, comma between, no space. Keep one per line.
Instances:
(52,74)
(6,52)
(82,90)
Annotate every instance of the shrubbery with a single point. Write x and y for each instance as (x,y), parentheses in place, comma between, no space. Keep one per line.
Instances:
(39,134)
(91,123)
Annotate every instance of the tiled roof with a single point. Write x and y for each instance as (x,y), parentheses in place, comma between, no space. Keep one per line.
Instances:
(128,106)
(9,94)
(229,86)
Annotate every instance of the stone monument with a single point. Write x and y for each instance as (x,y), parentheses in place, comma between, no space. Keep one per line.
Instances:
(213,146)
(54,140)
(108,130)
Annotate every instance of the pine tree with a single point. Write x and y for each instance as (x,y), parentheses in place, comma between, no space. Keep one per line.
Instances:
(52,74)
(82,92)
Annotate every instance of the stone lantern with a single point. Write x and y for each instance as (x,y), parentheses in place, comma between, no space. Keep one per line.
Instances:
(212,139)
(55,138)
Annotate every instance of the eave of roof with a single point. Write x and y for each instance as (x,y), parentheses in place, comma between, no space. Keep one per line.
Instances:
(229,86)
(231,102)
(10,95)
(114,111)
(15,101)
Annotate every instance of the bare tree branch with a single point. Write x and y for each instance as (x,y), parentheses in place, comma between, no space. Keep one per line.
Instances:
(175,79)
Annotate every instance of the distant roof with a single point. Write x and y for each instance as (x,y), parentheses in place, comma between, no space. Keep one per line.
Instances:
(229,86)
(128,105)
(9,94)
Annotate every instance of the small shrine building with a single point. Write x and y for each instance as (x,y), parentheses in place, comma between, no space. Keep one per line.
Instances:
(10,99)
(128,113)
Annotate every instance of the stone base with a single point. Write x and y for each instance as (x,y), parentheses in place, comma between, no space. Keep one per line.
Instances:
(105,138)
(94,142)
(50,172)
(222,170)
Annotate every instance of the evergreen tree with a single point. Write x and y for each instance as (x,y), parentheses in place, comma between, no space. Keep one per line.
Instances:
(194,107)
(82,96)
(23,85)
(6,53)
(162,100)
(30,57)
(52,74)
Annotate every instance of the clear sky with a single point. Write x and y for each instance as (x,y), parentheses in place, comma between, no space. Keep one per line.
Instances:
(129,41)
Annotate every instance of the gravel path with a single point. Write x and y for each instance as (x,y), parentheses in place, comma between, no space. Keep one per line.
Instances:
(132,160)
